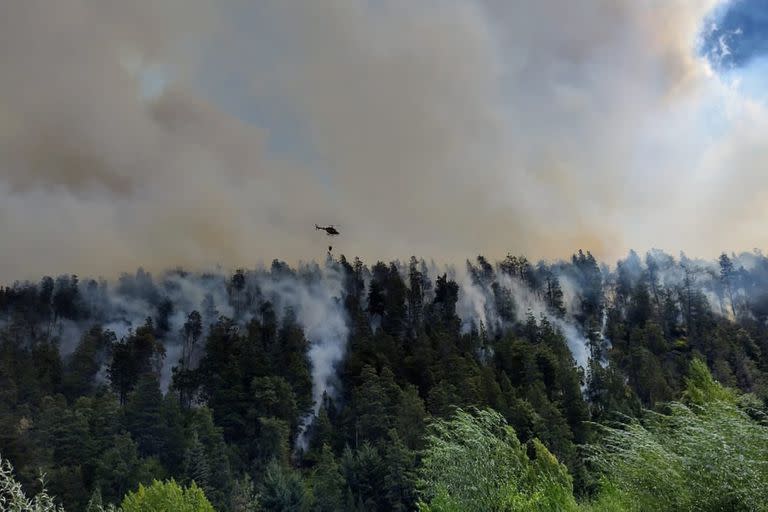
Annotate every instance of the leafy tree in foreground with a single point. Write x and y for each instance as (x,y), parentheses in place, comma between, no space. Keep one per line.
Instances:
(705,454)
(474,462)
(166,496)
(13,499)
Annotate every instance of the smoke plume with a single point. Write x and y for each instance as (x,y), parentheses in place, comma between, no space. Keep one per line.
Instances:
(197,133)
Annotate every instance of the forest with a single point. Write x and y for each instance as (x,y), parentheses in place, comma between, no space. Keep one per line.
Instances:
(337,386)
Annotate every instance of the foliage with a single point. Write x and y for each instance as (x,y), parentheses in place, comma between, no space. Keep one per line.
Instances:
(96,412)
(708,455)
(13,499)
(475,462)
(165,496)
(702,389)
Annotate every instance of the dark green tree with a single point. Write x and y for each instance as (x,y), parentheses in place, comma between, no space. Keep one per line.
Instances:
(327,483)
(282,490)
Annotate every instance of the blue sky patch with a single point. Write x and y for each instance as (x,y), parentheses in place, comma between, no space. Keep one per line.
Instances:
(736,34)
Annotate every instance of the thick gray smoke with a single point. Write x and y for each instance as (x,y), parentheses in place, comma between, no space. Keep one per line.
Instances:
(194,132)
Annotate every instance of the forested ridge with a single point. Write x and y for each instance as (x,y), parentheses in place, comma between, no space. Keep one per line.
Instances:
(567,385)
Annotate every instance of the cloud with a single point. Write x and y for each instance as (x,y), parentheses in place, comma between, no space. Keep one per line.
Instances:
(444,129)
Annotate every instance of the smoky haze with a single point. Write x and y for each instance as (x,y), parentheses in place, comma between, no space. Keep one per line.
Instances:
(191,133)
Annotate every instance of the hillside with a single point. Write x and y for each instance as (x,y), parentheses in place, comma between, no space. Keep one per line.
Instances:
(339,386)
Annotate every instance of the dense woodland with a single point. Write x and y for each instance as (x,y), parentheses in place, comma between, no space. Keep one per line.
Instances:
(395,387)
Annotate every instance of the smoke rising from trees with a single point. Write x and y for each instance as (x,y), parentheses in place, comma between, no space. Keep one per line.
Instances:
(572,296)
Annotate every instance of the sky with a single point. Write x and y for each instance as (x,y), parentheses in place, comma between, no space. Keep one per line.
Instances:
(163,133)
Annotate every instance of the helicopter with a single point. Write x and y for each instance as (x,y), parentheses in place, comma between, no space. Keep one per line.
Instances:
(330,229)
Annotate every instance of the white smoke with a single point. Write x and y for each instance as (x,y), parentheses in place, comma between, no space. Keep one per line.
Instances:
(571,295)
(528,301)
(317,302)
(604,341)
(473,304)
(313,293)
(477,304)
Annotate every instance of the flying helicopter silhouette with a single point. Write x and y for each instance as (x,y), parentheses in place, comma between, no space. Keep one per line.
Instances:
(330,229)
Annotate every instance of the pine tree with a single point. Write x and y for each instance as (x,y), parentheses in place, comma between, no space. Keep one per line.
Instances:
(95,503)
(553,295)
(372,406)
(415,296)
(400,478)
(87,360)
(196,466)
(244,495)
(144,417)
(726,277)
(282,490)
(321,431)
(327,483)
(192,330)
